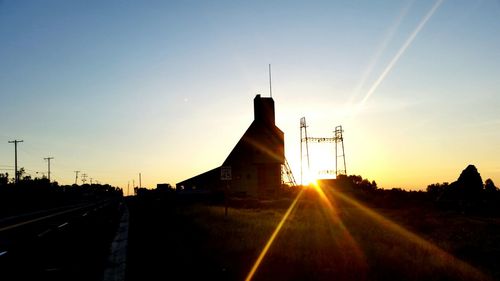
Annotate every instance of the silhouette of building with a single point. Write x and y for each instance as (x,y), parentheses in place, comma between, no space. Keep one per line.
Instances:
(255,161)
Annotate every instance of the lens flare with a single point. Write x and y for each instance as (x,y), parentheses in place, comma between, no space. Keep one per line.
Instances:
(411,237)
(398,55)
(273,237)
(328,199)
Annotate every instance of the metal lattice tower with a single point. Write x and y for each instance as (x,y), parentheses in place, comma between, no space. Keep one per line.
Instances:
(337,139)
(303,138)
(287,175)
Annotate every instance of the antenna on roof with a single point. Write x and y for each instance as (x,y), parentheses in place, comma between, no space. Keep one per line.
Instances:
(270,85)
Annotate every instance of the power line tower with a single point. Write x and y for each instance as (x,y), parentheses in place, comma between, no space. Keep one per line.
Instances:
(303,139)
(15,142)
(48,161)
(337,139)
(287,175)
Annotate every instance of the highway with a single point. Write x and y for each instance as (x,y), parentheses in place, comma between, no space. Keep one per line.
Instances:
(66,243)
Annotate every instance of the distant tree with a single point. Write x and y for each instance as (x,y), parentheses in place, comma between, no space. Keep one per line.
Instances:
(470,180)
(164,187)
(436,190)
(356,180)
(4,179)
(356,183)
(489,186)
(21,173)
(468,187)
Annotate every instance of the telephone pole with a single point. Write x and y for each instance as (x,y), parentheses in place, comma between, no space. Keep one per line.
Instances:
(140,182)
(15,142)
(48,160)
(76,176)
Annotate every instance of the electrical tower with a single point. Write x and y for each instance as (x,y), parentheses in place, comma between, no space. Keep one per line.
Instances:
(337,139)
(303,136)
(287,175)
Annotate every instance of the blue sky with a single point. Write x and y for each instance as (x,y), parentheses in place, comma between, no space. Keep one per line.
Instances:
(114,88)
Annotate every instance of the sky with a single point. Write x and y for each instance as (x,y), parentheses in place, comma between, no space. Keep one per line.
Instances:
(166,88)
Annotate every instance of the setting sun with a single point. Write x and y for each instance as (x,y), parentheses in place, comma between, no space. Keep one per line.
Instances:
(310,179)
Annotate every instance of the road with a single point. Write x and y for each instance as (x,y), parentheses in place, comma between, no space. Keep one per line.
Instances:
(68,243)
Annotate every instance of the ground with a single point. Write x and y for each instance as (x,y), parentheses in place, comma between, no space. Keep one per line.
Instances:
(328,235)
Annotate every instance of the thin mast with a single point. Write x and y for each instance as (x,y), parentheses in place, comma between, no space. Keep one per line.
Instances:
(270,84)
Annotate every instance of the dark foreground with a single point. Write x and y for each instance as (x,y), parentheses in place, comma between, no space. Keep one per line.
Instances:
(328,236)
(63,243)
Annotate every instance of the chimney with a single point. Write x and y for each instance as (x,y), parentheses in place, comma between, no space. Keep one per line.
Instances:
(263,110)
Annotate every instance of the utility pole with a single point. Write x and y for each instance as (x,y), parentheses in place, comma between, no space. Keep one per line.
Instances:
(140,182)
(84,178)
(76,176)
(15,142)
(128,188)
(270,85)
(48,161)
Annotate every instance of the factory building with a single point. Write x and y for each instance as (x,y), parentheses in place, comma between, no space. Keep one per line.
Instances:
(255,161)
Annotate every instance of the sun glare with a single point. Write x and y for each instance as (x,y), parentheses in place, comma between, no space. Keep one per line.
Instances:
(310,180)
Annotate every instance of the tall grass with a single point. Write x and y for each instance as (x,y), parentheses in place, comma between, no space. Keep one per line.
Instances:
(334,240)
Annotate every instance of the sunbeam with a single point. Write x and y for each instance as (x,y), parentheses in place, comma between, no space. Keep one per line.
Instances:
(333,203)
(408,235)
(380,50)
(327,203)
(273,237)
(398,55)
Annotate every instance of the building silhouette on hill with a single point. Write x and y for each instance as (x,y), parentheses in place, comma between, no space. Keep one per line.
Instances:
(255,161)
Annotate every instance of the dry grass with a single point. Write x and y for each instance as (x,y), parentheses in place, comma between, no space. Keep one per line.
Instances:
(334,239)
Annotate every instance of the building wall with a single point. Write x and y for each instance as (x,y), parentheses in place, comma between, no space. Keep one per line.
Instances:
(255,160)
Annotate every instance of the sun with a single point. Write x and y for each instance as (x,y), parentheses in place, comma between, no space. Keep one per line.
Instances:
(310,179)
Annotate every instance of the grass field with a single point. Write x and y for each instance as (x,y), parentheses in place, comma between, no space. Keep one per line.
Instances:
(327,236)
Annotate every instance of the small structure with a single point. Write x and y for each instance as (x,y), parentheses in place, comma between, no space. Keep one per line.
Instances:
(255,161)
